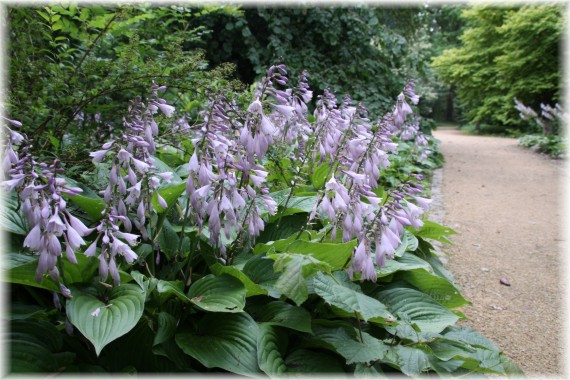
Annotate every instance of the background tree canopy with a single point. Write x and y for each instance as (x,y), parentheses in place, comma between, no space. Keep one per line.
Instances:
(505,52)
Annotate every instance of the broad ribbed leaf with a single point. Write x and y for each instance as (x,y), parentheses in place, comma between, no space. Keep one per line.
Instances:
(170,194)
(25,274)
(92,206)
(418,307)
(438,288)
(227,341)
(126,308)
(409,243)
(466,335)
(168,239)
(281,313)
(252,288)
(355,347)
(448,349)
(407,261)
(434,231)
(349,299)
(168,288)
(269,356)
(166,328)
(336,255)
(259,269)
(411,360)
(320,175)
(11,220)
(296,269)
(223,293)
(304,361)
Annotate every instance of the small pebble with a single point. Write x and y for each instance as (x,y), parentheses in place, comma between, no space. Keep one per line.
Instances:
(505,281)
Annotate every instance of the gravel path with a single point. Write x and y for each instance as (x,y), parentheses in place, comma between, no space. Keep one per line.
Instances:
(505,202)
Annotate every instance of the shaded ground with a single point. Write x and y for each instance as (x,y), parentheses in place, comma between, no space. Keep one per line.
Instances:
(506,204)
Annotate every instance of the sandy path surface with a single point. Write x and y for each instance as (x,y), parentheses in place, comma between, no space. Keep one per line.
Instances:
(506,202)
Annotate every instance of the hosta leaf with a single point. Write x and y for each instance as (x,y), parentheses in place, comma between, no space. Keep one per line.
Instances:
(347,298)
(252,288)
(296,268)
(259,269)
(320,175)
(127,305)
(466,335)
(411,360)
(269,356)
(166,328)
(25,274)
(418,307)
(227,341)
(407,261)
(281,313)
(11,220)
(409,243)
(434,231)
(304,361)
(161,167)
(448,349)
(92,206)
(438,288)
(26,356)
(167,288)
(168,239)
(170,194)
(355,347)
(335,255)
(223,293)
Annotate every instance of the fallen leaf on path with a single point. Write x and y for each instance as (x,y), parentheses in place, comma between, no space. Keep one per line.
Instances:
(505,281)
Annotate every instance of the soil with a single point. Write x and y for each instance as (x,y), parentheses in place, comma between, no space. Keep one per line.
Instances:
(506,203)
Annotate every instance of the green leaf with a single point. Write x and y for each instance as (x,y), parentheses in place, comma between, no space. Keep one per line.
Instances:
(269,355)
(170,195)
(355,347)
(172,288)
(406,262)
(224,294)
(252,288)
(411,360)
(168,239)
(92,206)
(296,269)
(259,269)
(418,307)
(434,231)
(166,328)
(445,349)
(468,336)
(25,274)
(279,313)
(409,243)
(116,318)
(319,176)
(340,292)
(336,255)
(227,341)
(440,289)
(304,361)
(11,219)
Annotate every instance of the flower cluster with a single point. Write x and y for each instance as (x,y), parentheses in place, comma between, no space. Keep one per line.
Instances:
(133,179)
(356,153)
(227,184)
(41,192)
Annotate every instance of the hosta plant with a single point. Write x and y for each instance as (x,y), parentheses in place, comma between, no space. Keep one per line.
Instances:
(259,238)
